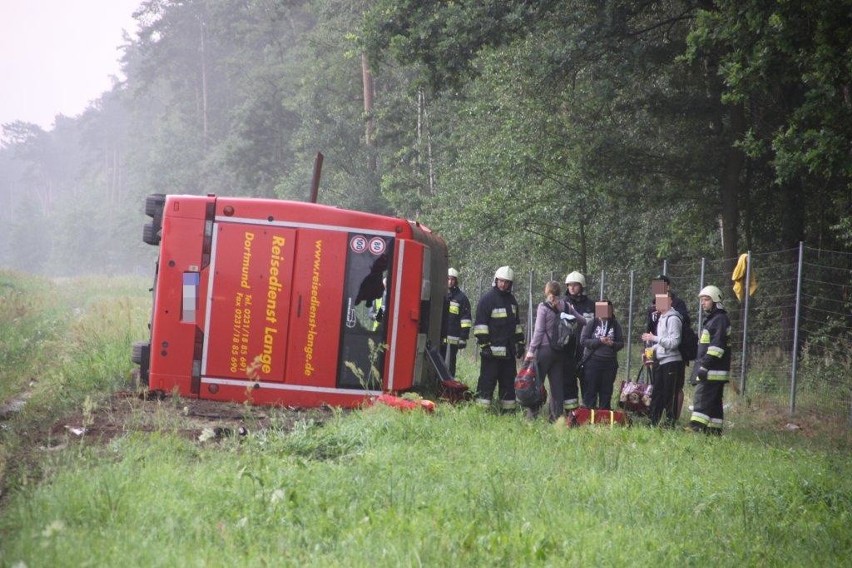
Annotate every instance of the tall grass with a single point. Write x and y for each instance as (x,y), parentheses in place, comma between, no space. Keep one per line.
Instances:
(62,343)
(379,487)
(463,486)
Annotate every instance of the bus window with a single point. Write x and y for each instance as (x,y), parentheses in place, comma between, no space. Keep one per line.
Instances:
(366,299)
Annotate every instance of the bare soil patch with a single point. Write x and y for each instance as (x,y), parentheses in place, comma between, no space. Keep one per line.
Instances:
(194,419)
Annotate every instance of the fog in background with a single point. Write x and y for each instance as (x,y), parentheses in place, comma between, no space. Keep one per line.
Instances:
(554,133)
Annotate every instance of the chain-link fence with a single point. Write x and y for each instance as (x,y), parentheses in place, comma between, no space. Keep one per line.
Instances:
(790,340)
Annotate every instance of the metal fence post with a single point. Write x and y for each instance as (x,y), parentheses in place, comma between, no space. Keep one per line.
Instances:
(603,273)
(530,308)
(629,327)
(795,353)
(743,357)
(700,318)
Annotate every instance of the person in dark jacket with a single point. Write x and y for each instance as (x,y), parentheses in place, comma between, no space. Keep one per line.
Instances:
(550,361)
(602,339)
(498,331)
(456,323)
(575,296)
(710,372)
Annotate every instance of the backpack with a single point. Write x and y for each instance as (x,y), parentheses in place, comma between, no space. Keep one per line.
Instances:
(688,340)
(566,333)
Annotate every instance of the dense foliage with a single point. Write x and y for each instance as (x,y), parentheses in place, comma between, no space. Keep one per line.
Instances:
(574,134)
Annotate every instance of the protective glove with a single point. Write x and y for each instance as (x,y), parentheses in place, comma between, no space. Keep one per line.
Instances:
(380,314)
(485,351)
(699,375)
(520,349)
(462,343)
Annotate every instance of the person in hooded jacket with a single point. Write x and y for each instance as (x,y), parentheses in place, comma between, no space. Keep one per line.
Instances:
(456,323)
(653,317)
(713,364)
(575,296)
(498,331)
(668,362)
(602,339)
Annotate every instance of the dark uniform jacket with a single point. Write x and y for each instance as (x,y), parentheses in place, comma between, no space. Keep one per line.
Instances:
(586,307)
(456,323)
(498,324)
(714,346)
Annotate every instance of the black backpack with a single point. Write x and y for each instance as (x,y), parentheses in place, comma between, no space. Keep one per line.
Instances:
(688,340)
(566,333)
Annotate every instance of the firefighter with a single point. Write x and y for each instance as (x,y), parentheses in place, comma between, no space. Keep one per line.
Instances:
(575,287)
(710,372)
(456,323)
(376,312)
(498,331)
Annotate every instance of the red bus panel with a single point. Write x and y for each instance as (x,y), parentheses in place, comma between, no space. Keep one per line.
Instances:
(249,302)
(312,356)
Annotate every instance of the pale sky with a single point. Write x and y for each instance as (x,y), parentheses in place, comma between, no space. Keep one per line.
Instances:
(56,56)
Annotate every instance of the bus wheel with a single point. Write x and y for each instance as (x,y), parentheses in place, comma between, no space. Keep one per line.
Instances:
(154,205)
(141,355)
(151,234)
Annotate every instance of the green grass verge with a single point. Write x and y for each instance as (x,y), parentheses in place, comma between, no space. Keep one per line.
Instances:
(378,487)
(463,486)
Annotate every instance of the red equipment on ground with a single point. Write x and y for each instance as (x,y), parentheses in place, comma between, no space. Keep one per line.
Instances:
(584,415)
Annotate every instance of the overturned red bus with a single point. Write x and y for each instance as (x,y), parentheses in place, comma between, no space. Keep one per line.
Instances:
(288,303)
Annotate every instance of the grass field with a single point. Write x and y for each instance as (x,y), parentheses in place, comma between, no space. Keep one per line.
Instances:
(376,487)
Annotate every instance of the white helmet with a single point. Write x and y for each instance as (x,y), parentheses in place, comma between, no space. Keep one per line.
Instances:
(576,278)
(711,292)
(452,273)
(504,273)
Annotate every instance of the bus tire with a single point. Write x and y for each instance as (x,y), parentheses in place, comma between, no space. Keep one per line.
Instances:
(141,355)
(151,234)
(154,205)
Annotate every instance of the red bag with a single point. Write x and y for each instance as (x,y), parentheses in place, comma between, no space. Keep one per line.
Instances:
(585,415)
(529,388)
(635,396)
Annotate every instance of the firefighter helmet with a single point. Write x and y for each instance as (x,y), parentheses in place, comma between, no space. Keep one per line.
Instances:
(711,292)
(576,278)
(504,273)
(452,273)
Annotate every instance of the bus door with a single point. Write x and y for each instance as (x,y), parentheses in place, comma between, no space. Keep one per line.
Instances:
(315,310)
(247,304)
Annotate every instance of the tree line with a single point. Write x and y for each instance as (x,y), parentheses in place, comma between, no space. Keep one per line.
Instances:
(550,132)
